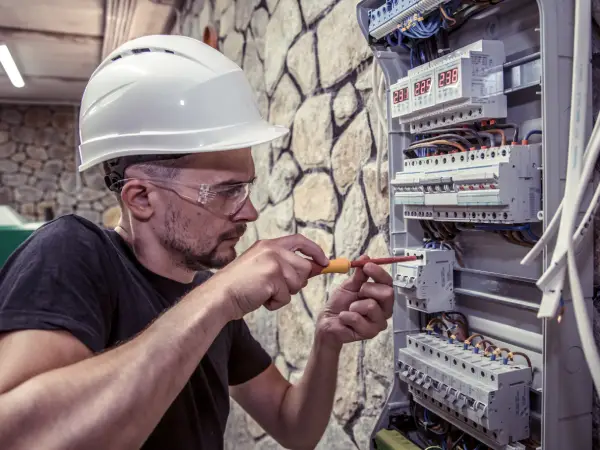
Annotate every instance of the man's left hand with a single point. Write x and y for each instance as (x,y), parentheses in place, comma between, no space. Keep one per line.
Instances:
(358,309)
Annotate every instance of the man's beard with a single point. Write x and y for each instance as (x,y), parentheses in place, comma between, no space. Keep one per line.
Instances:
(198,256)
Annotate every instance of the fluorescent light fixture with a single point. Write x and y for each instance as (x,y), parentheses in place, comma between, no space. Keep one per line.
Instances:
(10,67)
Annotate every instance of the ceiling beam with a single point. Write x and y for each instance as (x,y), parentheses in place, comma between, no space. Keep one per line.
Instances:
(7,33)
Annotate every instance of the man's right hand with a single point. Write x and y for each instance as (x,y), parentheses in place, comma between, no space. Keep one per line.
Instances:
(268,274)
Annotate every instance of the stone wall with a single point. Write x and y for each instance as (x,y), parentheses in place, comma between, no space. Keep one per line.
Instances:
(38,166)
(310,67)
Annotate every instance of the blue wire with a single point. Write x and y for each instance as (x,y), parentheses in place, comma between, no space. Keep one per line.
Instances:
(465,446)
(531,133)
(426,416)
(531,235)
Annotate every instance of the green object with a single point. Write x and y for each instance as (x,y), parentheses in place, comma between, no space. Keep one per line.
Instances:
(13,232)
(393,440)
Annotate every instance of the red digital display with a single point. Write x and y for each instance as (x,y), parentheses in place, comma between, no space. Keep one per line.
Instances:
(401,95)
(422,87)
(448,77)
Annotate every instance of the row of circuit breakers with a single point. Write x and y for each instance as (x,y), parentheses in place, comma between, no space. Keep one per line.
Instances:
(499,183)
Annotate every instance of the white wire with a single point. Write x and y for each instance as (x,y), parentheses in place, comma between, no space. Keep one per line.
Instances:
(552,228)
(579,96)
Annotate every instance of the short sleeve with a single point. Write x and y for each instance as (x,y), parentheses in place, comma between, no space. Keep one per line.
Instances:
(247,358)
(56,280)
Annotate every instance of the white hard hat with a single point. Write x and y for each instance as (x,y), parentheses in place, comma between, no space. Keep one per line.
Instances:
(168,95)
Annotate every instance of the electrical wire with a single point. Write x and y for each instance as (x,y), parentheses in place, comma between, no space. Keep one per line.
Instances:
(500,132)
(378,86)
(531,133)
(511,355)
(514,126)
(450,20)
(474,133)
(446,136)
(441,142)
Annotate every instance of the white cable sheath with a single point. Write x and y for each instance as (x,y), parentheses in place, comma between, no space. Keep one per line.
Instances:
(552,228)
(579,94)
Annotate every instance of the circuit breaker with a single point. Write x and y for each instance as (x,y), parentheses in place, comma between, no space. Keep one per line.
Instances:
(490,397)
(493,185)
(427,283)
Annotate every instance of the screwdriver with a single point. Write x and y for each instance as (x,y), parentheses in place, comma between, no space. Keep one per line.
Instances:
(343,265)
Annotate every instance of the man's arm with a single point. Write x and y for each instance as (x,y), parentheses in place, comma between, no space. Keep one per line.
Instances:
(297,415)
(113,400)
(294,415)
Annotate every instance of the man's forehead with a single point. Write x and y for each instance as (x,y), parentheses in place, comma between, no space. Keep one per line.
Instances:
(228,166)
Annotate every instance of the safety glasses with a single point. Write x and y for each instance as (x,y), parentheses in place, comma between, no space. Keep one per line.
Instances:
(220,199)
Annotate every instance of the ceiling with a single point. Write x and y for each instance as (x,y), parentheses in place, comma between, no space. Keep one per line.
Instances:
(57,44)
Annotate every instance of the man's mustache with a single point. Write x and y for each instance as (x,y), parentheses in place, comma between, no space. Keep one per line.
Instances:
(236,233)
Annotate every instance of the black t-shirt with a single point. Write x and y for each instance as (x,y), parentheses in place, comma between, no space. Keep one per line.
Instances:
(73,275)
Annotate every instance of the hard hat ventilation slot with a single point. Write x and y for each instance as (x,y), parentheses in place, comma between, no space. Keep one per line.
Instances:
(140,50)
(137,51)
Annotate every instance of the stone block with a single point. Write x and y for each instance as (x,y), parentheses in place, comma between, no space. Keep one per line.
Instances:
(6,195)
(312,135)
(35,152)
(263,326)
(14,179)
(28,194)
(284,26)
(227,21)
(11,116)
(277,221)
(243,13)
(283,177)
(344,104)
(4,136)
(24,135)
(311,9)
(335,438)
(351,151)
(315,199)
(53,167)
(379,205)
(63,119)
(258,25)
(341,45)
(68,182)
(7,149)
(349,394)
(285,103)
(233,47)
(8,166)
(296,332)
(37,117)
(253,67)
(302,63)
(352,227)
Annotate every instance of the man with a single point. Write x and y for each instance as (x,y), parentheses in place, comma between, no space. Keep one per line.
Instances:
(122,339)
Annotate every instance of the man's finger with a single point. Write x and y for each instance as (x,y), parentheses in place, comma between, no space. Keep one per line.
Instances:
(297,242)
(365,329)
(382,293)
(371,309)
(358,278)
(378,274)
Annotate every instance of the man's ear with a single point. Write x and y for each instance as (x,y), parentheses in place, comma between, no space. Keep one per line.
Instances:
(136,198)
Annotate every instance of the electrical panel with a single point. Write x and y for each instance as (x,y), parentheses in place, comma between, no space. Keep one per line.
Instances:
(490,397)
(493,185)
(427,283)
(463,86)
(393,13)
(467,84)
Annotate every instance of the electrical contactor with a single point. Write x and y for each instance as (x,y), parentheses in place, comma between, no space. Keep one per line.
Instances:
(427,283)
(495,185)
(462,86)
(487,396)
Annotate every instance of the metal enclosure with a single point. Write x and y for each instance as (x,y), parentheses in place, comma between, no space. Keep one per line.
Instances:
(498,295)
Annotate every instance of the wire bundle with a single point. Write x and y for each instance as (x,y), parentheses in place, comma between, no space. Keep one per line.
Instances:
(580,170)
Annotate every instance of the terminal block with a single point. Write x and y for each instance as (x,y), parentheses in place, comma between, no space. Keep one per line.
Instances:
(493,185)
(487,398)
(394,13)
(427,283)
